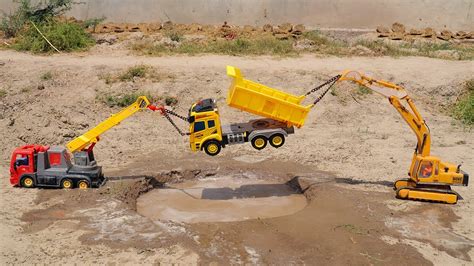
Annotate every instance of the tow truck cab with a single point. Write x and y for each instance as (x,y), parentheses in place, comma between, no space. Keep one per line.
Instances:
(42,166)
(204,124)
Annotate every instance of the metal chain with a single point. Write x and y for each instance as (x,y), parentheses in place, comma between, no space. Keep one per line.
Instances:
(174,125)
(331,80)
(177,115)
(320,97)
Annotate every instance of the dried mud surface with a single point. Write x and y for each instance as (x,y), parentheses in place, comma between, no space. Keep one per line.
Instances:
(344,161)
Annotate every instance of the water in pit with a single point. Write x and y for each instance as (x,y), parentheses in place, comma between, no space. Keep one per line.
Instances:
(223,199)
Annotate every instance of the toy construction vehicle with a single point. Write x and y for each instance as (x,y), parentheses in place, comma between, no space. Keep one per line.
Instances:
(430,178)
(42,166)
(281,111)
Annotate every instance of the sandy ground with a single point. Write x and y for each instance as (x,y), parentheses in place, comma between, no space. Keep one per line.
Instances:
(349,151)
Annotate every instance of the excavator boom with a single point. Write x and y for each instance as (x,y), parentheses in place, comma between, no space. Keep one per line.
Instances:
(92,136)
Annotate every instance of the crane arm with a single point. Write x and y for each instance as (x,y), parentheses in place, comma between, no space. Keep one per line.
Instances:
(88,139)
(395,94)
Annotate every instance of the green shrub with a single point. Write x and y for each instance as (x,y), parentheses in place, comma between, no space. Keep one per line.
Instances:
(135,71)
(464,108)
(170,100)
(65,36)
(43,11)
(3,94)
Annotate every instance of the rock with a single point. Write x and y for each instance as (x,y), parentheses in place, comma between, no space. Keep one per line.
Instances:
(40,87)
(63,119)
(285,27)
(119,28)
(109,39)
(382,31)
(461,35)
(167,25)
(398,27)
(11,122)
(282,36)
(225,25)
(428,33)
(304,44)
(195,27)
(361,50)
(415,32)
(267,28)
(445,35)
(298,29)
(248,28)
(396,36)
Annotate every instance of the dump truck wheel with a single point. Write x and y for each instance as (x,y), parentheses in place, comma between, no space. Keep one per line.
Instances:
(27,182)
(212,148)
(277,140)
(83,184)
(259,142)
(66,183)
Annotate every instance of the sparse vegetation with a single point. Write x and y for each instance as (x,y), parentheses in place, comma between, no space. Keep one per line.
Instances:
(464,108)
(258,46)
(3,93)
(47,76)
(362,90)
(171,100)
(123,100)
(134,72)
(175,35)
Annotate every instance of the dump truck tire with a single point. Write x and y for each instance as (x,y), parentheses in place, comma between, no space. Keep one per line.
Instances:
(212,148)
(277,140)
(259,142)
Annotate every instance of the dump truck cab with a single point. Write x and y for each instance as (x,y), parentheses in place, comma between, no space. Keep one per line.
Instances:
(42,166)
(204,125)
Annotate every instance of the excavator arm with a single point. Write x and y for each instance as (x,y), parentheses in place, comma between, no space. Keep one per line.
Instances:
(396,94)
(87,140)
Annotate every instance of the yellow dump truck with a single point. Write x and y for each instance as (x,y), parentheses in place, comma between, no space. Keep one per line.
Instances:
(281,112)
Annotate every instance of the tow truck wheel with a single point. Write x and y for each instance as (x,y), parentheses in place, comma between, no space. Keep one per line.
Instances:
(66,183)
(259,142)
(212,148)
(83,184)
(27,182)
(277,140)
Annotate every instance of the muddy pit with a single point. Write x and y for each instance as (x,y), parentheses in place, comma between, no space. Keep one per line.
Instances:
(220,199)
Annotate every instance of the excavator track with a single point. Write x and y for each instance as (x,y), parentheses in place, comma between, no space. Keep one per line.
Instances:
(445,195)
(405,182)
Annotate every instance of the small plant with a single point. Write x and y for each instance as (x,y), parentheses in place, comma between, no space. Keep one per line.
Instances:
(93,22)
(171,101)
(464,108)
(25,90)
(47,76)
(3,93)
(174,35)
(362,90)
(134,72)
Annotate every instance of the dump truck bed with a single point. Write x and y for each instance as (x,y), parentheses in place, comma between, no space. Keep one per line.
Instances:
(264,101)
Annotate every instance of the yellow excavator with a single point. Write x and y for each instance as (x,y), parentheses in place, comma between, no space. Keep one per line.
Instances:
(429,178)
